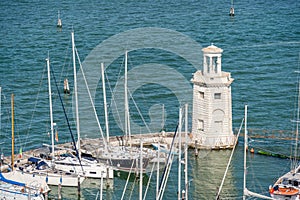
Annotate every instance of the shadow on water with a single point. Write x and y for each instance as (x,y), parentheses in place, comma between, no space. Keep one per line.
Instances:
(209,168)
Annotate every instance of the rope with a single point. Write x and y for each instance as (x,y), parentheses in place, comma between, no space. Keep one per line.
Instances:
(228,164)
(139,111)
(72,136)
(127,181)
(93,106)
(113,99)
(35,105)
(163,181)
(148,184)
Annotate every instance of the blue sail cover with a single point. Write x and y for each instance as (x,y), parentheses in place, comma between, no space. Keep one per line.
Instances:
(2,178)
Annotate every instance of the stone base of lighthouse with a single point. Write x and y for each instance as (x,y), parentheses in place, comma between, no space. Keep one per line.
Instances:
(213,142)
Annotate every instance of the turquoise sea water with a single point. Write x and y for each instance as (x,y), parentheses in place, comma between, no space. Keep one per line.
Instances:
(261,50)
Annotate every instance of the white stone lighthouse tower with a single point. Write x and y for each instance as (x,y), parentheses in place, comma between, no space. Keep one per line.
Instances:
(212,111)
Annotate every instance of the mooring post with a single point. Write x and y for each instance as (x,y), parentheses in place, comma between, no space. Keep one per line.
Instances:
(78,186)
(107,177)
(59,191)
(196,148)
(101,185)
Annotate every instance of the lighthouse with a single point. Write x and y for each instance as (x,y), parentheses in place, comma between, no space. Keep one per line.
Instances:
(212,109)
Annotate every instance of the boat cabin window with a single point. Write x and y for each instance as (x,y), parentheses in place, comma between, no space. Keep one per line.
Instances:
(295,183)
(285,181)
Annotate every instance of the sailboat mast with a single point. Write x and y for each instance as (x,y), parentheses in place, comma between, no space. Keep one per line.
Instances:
(186,153)
(245,151)
(297,127)
(163,117)
(0,108)
(125,98)
(179,154)
(105,103)
(12,132)
(75,95)
(141,171)
(246,192)
(50,106)
(127,122)
(157,173)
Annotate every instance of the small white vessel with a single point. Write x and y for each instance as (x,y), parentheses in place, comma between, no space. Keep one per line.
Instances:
(13,185)
(59,23)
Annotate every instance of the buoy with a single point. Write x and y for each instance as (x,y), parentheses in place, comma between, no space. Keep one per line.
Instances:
(59,23)
(231,13)
(66,86)
(196,148)
(252,150)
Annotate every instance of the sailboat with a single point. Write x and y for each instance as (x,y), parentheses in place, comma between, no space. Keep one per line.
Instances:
(288,185)
(78,164)
(16,185)
(42,168)
(121,158)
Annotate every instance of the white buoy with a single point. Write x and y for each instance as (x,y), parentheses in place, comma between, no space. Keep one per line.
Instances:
(231,13)
(59,23)
(66,86)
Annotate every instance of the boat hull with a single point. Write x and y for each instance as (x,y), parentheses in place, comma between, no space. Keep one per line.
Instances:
(55,177)
(89,170)
(29,188)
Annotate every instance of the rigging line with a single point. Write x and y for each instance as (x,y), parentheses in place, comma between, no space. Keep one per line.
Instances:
(141,91)
(62,104)
(148,184)
(161,191)
(113,99)
(90,96)
(124,190)
(294,161)
(64,64)
(293,150)
(139,111)
(112,96)
(167,167)
(8,116)
(132,187)
(35,105)
(229,162)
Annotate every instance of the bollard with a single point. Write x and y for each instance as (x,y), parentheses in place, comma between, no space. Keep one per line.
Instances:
(107,177)
(78,186)
(196,148)
(59,191)
(46,196)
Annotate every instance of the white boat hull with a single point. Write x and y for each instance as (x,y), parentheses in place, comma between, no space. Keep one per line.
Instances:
(14,185)
(88,169)
(55,178)
(8,191)
(28,179)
